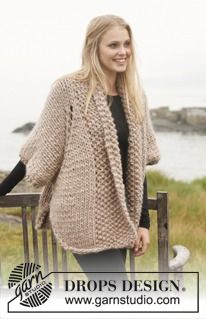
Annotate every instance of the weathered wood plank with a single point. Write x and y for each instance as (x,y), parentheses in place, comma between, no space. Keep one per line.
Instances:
(19,200)
(152,204)
(163,232)
(64,263)
(31,199)
(34,236)
(45,251)
(55,259)
(25,234)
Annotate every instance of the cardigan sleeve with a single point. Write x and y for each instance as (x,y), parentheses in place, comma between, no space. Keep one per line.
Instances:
(43,151)
(153,152)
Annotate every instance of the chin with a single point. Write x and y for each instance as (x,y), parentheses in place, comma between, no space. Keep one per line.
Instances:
(121,69)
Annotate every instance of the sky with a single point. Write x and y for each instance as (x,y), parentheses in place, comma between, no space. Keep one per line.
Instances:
(42,40)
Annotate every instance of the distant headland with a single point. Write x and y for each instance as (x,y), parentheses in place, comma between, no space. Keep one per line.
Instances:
(185,120)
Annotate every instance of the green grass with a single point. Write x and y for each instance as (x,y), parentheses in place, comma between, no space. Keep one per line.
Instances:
(186,220)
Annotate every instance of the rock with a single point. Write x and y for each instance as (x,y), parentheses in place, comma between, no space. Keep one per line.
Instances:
(25,129)
(195,116)
(186,120)
(164,112)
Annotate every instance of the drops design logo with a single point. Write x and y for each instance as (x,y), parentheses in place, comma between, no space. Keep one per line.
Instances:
(30,286)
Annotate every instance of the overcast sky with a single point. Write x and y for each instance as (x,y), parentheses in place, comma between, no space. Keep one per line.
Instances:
(41,40)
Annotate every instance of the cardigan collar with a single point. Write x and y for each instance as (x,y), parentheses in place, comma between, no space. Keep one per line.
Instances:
(132,187)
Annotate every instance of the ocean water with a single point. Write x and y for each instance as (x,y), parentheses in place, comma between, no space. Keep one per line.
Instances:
(182,156)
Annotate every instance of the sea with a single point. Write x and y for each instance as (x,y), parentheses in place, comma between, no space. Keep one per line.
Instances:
(182,155)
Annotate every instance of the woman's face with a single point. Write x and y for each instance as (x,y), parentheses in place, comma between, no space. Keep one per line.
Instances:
(114,50)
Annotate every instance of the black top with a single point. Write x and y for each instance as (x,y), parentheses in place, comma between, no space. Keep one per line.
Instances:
(122,130)
(123,133)
(19,171)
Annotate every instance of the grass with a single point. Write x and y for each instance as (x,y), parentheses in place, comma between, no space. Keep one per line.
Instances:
(186,220)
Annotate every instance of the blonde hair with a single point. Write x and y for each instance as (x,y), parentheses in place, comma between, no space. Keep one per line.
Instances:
(91,69)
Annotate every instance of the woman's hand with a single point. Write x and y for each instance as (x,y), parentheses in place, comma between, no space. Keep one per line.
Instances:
(142,242)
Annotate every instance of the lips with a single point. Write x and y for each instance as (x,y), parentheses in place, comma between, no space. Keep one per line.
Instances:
(120,60)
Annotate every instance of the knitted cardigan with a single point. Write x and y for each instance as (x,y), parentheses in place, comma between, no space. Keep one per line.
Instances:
(77,160)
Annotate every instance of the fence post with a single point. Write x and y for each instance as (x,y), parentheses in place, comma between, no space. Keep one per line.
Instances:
(163,233)
(25,234)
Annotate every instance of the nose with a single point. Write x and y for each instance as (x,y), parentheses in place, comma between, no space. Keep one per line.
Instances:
(122,50)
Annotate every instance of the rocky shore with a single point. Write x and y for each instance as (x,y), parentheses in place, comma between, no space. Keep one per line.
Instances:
(25,129)
(185,120)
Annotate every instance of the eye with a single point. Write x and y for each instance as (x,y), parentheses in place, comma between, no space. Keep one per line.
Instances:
(127,44)
(113,45)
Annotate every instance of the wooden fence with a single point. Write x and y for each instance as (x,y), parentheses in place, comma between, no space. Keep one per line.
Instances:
(30,200)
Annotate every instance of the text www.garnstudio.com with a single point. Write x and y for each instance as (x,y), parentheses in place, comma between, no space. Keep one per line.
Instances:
(126,300)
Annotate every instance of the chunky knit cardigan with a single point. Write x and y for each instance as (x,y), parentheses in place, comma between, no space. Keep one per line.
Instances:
(76,157)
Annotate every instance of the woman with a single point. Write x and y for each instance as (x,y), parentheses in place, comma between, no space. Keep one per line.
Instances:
(89,150)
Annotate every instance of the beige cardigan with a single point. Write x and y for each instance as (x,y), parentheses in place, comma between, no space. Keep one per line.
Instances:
(77,160)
